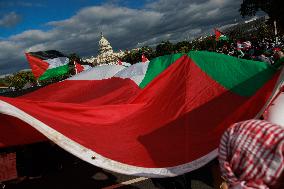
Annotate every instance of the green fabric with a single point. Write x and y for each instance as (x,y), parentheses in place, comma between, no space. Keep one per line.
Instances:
(223,37)
(158,65)
(278,63)
(241,76)
(54,72)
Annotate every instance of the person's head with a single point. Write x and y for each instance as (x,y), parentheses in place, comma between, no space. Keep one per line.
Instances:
(251,155)
(278,55)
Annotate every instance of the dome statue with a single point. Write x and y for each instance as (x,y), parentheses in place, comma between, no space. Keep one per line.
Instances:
(106,54)
(104,45)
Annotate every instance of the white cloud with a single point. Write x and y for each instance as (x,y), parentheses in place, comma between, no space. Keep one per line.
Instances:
(32,35)
(9,20)
(124,27)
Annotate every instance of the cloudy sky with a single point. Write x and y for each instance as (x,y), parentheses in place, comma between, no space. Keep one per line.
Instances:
(75,25)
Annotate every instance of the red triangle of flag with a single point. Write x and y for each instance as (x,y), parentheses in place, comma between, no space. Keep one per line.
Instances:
(38,66)
(217,34)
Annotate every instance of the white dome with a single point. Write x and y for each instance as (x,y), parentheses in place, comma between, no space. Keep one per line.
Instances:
(106,54)
(103,41)
(104,46)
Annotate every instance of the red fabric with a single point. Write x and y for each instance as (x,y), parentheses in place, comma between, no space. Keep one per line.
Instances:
(217,34)
(251,154)
(276,49)
(11,127)
(144,58)
(79,68)
(177,118)
(8,169)
(38,66)
(119,62)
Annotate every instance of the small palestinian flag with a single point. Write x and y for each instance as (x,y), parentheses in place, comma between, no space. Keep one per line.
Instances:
(119,62)
(78,67)
(47,64)
(220,36)
(144,58)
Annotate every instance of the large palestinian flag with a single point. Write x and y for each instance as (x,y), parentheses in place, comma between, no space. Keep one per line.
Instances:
(47,64)
(155,119)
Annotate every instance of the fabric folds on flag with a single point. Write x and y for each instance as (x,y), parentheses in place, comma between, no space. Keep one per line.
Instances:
(164,117)
(47,64)
(119,62)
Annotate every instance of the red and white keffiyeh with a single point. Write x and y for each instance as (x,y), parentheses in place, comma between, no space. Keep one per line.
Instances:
(251,154)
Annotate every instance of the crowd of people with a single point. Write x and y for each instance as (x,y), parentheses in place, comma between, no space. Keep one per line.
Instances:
(265,50)
(251,153)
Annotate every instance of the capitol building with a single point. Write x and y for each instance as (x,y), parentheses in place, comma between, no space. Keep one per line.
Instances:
(106,54)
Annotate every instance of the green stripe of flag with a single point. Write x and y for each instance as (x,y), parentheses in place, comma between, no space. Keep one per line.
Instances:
(241,76)
(158,65)
(223,37)
(55,72)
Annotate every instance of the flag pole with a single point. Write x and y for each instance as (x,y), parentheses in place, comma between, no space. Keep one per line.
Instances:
(275,32)
(214,43)
(76,72)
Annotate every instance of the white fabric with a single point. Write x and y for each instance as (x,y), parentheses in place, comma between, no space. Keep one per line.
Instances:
(98,73)
(239,45)
(86,67)
(275,113)
(247,44)
(125,64)
(56,62)
(136,72)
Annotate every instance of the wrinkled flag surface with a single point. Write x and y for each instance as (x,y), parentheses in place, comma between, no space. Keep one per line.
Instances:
(155,119)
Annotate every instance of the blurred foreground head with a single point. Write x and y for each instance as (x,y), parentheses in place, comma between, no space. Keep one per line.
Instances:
(251,155)
(278,55)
